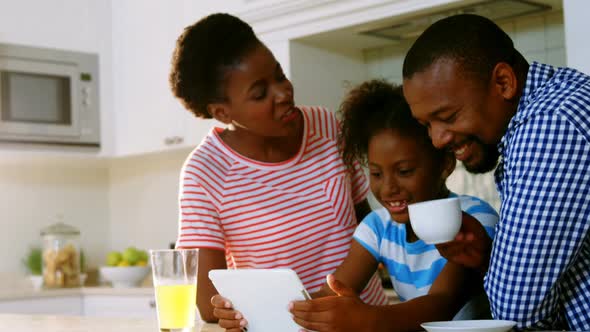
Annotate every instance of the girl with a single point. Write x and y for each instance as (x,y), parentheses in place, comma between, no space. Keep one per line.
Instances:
(269,190)
(404,168)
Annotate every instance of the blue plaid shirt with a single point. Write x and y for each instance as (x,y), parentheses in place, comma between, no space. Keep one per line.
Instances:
(539,271)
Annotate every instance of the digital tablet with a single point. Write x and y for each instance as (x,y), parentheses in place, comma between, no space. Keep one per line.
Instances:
(262,296)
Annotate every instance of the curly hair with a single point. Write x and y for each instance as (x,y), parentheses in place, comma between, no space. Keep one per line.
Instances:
(370,108)
(204,53)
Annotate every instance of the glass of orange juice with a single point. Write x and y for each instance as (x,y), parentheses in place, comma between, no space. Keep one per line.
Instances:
(175,283)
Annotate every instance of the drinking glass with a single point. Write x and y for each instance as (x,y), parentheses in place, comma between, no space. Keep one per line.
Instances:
(175,283)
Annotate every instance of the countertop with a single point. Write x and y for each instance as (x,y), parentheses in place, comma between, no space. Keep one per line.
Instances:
(44,323)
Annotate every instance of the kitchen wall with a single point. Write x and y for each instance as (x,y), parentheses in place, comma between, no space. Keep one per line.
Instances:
(143,200)
(33,193)
(576,31)
(539,38)
(317,70)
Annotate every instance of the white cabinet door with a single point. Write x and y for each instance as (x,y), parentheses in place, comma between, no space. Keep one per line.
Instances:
(196,129)
(66,305)
(147,116)
(134,306)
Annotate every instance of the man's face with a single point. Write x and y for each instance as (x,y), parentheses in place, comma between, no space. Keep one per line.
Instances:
(462,114)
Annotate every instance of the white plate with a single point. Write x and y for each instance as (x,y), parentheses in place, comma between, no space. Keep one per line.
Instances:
(470,325)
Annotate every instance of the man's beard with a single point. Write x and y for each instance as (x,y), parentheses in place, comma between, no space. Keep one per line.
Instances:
(487,162)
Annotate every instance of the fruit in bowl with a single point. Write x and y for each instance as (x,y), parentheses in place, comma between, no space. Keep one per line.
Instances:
(125,269)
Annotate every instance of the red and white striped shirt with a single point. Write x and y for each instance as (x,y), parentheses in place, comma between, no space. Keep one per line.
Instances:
(296,214)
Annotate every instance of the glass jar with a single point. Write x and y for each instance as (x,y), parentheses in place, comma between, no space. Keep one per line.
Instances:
(61,256)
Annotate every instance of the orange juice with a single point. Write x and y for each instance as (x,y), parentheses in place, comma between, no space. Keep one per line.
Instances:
(176,306)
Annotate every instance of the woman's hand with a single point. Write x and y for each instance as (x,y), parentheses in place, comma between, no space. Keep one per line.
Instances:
(229,319)
(344,312)
(471,246)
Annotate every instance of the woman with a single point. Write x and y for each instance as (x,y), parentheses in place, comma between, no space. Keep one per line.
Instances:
(269,190)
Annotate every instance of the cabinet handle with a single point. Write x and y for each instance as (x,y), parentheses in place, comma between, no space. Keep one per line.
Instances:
(173,140)
(169,140)
(152,304)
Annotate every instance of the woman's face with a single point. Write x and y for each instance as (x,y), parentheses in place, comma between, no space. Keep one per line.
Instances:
(402,171)
(260,97)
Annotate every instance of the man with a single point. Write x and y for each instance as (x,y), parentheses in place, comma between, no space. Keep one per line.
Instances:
(480,98)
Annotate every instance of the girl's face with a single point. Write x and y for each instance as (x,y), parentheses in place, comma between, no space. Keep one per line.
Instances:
(260,97)
(402,172)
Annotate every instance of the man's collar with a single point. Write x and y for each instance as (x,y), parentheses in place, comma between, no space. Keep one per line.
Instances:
(538,75)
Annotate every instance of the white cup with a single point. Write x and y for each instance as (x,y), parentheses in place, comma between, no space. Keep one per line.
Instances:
(436,221)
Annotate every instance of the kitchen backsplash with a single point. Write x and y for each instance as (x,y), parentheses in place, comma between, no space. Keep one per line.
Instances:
(34,194)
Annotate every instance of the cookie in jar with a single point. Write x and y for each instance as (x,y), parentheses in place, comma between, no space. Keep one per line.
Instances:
(61,256)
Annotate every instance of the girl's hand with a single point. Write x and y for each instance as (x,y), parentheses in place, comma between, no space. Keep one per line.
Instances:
(344,312)
(471,246)
(229,319)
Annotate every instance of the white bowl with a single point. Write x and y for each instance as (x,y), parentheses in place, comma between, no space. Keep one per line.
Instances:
(436,221)
(124,276)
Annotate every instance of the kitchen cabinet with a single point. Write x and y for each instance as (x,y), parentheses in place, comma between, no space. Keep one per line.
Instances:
(147,116)
(132,306)
(93,302)
(60,305)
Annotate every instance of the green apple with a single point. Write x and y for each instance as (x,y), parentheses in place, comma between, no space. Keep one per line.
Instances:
(113,258)
(131,255)
(143,255)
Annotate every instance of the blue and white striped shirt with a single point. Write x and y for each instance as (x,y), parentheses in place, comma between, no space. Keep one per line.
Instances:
(414,266)
(539,271)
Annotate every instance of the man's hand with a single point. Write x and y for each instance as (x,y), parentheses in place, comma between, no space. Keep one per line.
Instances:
(229,319)
(344,312)
(471,246)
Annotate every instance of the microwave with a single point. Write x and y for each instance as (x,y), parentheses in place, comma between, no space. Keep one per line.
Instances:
(48,96)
